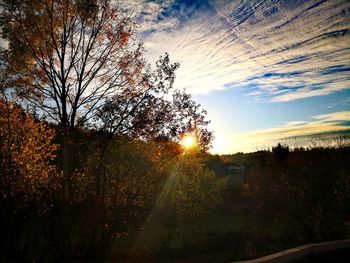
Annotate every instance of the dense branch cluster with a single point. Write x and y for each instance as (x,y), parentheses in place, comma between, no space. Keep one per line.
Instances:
(80,61)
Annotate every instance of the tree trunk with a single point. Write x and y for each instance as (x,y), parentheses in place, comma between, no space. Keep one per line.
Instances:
(68,162)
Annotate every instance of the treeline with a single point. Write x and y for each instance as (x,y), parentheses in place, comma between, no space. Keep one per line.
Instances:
(297,195)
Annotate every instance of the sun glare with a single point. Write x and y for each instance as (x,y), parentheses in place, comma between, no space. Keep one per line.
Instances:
(188,141)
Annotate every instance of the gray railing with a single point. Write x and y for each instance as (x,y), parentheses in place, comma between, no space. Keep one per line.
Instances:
(298,252)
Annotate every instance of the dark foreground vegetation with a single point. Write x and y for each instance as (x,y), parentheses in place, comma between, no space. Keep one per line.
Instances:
(158,202)
(116,184)
(271,202)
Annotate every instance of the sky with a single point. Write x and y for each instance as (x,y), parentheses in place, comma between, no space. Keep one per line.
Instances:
(266,71)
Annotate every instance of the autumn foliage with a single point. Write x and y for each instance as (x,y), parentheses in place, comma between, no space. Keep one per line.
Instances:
(27,152)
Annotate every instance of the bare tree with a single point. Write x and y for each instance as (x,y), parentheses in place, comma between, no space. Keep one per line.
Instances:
(79,60)
(76,54)
(80,63)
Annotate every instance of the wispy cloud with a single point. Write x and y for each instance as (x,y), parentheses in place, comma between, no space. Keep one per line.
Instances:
(302,132)
(332,117)
(278,50)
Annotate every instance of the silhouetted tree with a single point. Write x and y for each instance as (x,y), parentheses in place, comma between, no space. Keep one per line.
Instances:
(81,65)
(281,151)
(80,61)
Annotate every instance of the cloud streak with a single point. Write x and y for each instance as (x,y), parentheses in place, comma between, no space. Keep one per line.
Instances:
(276,50)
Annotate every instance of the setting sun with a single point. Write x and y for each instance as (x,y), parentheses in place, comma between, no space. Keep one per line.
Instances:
(188,141)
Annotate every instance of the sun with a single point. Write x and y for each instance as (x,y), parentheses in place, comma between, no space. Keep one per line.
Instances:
(188,141)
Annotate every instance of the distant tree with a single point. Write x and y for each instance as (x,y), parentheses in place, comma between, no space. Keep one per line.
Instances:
(281,151)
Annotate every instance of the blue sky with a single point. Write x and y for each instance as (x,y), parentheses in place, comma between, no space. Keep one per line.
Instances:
(265,71)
